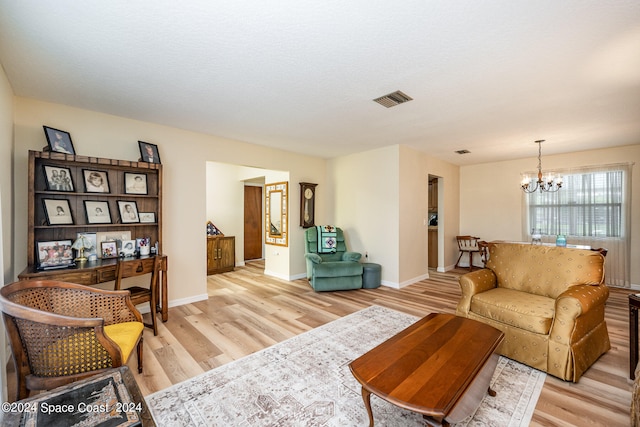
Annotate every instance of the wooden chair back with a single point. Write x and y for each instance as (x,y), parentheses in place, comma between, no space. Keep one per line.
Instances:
(134,267)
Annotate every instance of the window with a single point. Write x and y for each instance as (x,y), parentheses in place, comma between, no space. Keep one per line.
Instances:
(592,208)
(588,205)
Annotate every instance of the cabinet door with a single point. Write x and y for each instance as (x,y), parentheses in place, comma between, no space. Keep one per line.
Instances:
(227,253)
(212,258)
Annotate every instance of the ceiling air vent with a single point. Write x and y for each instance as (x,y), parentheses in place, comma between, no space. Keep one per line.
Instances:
(393,99)
(463,151)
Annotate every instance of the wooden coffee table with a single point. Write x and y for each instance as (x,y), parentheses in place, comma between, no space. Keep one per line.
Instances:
(441,367)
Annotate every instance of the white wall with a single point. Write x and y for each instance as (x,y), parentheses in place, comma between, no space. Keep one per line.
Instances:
(184,155)
(492,201)
(6,213)
(380,200)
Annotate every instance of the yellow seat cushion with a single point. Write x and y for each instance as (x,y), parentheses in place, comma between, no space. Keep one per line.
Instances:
(125,335)
(522,310)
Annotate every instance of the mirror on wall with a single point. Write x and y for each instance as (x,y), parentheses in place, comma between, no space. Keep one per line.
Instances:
(276,215)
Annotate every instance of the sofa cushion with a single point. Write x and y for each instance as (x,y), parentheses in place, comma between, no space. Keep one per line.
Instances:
(544,270)
(337,269)
(523,310)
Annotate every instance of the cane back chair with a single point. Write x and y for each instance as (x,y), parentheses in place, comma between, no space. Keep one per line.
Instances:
(62,332)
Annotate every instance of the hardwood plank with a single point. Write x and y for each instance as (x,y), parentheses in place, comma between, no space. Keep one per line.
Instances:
(248,311)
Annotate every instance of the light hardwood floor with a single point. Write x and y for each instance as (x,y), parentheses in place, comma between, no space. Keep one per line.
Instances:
(248,311)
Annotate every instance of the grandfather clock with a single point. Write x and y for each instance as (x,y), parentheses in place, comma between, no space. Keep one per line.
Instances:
(307,204)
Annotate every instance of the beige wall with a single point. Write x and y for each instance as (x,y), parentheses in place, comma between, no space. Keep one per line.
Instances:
(380,200)
(492,202)
(184,155)
(6,212)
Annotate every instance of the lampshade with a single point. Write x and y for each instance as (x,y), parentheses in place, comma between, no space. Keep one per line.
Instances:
(80,245)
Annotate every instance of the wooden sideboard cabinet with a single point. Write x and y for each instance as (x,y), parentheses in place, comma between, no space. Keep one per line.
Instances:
(221,254)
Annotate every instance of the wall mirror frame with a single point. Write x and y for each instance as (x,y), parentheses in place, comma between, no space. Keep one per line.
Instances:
(277,213)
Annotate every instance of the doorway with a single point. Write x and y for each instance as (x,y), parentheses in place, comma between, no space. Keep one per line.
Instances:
(433,221)
(252,222)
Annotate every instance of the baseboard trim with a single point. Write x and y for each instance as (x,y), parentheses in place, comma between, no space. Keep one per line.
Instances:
(144,307)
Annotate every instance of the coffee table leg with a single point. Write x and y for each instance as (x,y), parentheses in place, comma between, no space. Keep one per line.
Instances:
(366,396)
(491,392)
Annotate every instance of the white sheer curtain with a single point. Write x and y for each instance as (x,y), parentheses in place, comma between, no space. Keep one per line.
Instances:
(592,208)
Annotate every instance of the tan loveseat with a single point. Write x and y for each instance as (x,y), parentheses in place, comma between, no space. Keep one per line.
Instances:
(549,302)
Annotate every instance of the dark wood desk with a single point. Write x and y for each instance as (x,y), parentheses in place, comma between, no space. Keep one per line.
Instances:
(634,305)
(111,398)
(103,270)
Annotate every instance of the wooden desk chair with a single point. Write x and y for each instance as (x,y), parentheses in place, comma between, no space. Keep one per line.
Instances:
(61,332)
(467,245)
(138,267)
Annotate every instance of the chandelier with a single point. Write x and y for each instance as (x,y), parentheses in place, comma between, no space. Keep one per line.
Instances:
(549,184)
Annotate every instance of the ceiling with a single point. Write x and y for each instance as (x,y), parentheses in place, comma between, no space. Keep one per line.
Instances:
(489,77)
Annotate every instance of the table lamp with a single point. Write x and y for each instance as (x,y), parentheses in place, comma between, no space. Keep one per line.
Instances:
(80,245)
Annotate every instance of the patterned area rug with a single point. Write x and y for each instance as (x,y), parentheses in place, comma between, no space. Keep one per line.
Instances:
(305,381)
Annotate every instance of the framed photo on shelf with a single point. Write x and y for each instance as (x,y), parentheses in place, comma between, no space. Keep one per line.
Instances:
(58,211)
(58,178)
(59,140)
(54,254)
(109,249)
(147,217)
(128,211)
(95,181)
(97,212)
(128,248)
(149,152)
(135,183)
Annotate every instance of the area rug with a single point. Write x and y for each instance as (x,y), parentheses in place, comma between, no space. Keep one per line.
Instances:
(306,381)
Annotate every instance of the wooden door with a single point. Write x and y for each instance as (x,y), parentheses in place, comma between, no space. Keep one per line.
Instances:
(252,222)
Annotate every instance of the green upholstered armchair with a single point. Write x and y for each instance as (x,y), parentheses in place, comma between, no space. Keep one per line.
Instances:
(331,271)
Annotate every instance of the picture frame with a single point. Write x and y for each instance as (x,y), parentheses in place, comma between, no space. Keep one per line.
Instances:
(149,152)
(135,183)
(58,211)
(128,211)
(147,217)
(95,181)
(91,237)
(109,249)
(276,215)
(97,212)
(58,178)
(54,254)
(111,236)
(128,248)
(59,140)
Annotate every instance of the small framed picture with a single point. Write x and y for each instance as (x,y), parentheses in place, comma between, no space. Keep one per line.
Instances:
(54,254)
(109,249)
(149,152)
(97,212)
(143,245)
(58,211)
(128,211)
(95,181)
(147,217)
(135,183)
(59,140)
(128,248)
(58,178)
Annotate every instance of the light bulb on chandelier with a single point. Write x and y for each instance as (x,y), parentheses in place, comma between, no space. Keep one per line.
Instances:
(548,183)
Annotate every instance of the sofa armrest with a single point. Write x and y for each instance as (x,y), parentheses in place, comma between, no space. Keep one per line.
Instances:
(314,258)
(474,283)
(584,303)
(351,256)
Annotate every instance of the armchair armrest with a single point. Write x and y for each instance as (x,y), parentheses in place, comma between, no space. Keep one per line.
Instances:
(314,258)
(474,283)
(351,256)
(582,304)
